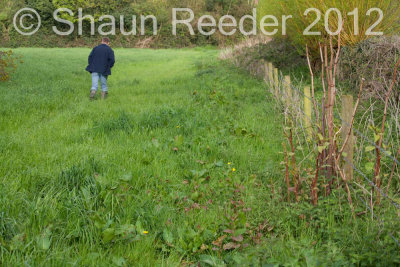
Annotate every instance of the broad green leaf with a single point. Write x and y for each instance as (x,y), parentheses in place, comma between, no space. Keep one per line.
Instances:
(119,261)
(178,140)
(240,231)
(126,178)
(195,196)
(167,236)
(139,227)
(43,241)
(126,230)
(202,173)
(369,166)
(219,164)
(377,137)
(211,260)
(17,242)
(108,235)
(98,221)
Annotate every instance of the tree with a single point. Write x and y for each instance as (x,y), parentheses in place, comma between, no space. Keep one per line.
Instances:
(96,8)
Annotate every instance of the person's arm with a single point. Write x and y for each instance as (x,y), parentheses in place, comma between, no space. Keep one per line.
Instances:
(111,59)
(90,60)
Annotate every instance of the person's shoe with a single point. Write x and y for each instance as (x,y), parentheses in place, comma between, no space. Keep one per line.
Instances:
(92,94)
(104,95)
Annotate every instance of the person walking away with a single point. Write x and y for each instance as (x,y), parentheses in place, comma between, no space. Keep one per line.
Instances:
(101,60)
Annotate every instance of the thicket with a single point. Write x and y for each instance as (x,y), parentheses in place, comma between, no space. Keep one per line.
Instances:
(373,60)
(162,10)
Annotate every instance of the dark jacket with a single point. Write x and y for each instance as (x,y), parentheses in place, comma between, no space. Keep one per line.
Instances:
(101,60)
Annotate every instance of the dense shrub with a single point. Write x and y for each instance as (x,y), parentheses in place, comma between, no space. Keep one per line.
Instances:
(373,60)
(161,9)
(282,53)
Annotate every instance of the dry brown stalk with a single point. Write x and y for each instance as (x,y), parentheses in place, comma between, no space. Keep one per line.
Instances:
(295,174)
(344,178)
(314,192)
(330,106)
(352,121)
(287,171)
(312,86)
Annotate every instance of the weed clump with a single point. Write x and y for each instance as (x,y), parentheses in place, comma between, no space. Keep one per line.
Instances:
(164,117)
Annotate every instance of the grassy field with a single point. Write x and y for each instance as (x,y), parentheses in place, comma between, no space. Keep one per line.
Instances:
(179,166)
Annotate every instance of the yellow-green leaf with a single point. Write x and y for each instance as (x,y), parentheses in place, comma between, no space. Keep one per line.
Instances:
(369,148)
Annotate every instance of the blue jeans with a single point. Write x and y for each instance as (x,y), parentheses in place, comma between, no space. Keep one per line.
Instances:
(95,82)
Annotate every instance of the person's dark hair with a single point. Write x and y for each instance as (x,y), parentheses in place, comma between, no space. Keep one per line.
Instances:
(105,40)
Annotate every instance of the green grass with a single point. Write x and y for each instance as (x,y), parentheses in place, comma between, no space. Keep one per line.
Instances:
(81,180)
